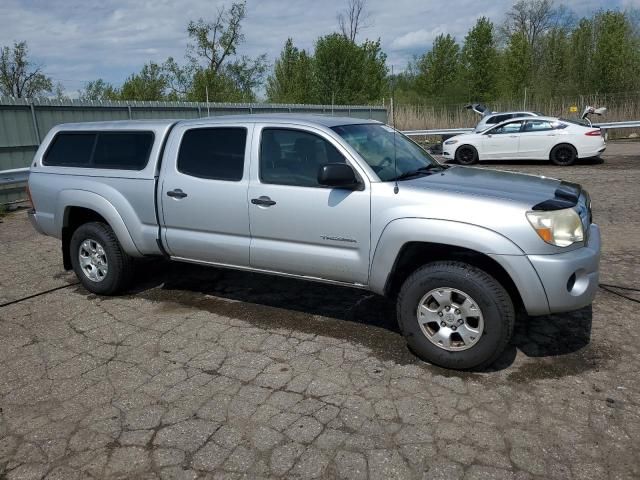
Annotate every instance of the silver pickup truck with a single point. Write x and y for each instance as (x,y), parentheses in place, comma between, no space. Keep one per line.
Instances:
(340,200)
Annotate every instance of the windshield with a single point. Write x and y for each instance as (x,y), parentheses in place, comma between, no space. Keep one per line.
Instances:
(375,144)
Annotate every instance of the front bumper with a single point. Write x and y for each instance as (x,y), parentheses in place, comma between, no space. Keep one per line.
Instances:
(31,213)
(570,279)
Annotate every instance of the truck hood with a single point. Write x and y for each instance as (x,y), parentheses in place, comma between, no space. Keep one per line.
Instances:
(517,187)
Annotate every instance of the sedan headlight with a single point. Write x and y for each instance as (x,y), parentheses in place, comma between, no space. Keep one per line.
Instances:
(451,142)
(557,227)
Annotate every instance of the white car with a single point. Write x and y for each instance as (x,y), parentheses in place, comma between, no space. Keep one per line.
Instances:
(531,138)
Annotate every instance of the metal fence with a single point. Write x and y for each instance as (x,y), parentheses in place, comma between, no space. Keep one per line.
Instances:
(23,124)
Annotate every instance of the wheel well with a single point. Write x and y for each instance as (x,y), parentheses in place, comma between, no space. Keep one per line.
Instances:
(73,218)
(413,255)
(466,145)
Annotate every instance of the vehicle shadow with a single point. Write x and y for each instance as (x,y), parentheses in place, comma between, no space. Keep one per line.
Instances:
(322,309)
(493,163)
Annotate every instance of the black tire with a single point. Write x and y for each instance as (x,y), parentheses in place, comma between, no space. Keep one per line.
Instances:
(563,155)
(494,302)
(466,155)
(120,265)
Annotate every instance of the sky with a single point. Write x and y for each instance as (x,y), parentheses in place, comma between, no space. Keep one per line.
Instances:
(77,41)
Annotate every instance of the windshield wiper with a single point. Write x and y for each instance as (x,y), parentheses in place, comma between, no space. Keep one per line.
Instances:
(426,170)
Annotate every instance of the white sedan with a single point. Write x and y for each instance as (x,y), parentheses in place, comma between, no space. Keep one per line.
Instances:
(540,138)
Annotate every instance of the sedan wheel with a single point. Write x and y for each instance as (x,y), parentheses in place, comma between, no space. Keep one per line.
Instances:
(466,155)
(563,155)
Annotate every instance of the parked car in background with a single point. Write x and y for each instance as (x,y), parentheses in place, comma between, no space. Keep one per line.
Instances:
(344,201)
(528,138)
(490,118)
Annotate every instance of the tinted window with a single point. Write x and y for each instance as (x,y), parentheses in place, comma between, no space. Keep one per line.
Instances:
(213,153)
(114,150)
(293,157)
(513,127)
(70,150)
(537,126)
(126,151)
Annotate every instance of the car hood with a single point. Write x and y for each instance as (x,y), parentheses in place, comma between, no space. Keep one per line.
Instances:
(517,187)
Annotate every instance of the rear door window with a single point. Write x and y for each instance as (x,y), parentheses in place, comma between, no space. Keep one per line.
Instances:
(537,126)
(70,150)
(213,153)
(511,127)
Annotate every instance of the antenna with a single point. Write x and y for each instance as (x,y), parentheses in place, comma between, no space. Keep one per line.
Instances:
(393,124)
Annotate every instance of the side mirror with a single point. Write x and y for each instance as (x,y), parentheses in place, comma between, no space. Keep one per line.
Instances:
(338,175)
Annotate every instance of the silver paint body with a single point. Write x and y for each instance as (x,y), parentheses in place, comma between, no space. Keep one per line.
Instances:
(349,237)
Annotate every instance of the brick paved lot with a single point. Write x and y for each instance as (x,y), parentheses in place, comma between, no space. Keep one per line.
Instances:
(203,373)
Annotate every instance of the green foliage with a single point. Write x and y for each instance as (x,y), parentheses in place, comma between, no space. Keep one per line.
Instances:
(480,61)
(439,69)
(150,84)
(517,65)
(19,77)
(346,72)
(292,78)
(340,72)
(98,90)
(615,65)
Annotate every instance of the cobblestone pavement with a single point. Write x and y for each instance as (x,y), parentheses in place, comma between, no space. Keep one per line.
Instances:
(216,374)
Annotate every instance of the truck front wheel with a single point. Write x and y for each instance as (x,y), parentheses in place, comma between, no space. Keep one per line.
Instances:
(455,315)
(98,259)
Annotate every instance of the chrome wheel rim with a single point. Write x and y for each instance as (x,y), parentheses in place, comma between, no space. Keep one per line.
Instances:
(450,319)
(93,260)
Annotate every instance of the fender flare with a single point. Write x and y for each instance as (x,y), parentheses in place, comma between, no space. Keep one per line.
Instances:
(399,232)
(99,204)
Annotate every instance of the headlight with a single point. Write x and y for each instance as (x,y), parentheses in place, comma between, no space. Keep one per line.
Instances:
(450,142)
(557,227)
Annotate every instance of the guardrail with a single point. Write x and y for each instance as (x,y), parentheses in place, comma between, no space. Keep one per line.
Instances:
(18,176)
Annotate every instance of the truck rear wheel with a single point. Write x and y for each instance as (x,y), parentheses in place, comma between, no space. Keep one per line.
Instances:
(98,259)
(455,315)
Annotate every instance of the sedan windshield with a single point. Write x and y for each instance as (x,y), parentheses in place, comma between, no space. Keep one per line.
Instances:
(392,156)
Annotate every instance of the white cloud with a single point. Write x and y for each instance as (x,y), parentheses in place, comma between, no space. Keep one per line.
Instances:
(417,39)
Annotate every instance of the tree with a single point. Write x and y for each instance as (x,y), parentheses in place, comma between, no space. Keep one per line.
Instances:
(353,19)
(292,77)
(553,76)
(150,84)
(212,62)
(480,61)
(98,90)
(615,66)
(517,64)
(439,69)
(348,73)
(530,18)
(19,77)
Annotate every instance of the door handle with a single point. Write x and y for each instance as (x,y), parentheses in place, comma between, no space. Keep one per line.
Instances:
(263,201)
(177,193)
(513,136)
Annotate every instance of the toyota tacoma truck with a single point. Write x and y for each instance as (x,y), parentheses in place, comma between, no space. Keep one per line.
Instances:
(346,201)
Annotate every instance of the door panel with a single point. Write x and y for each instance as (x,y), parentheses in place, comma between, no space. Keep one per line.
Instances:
(501,142)
(204,196)
(302,229)
(536,139)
